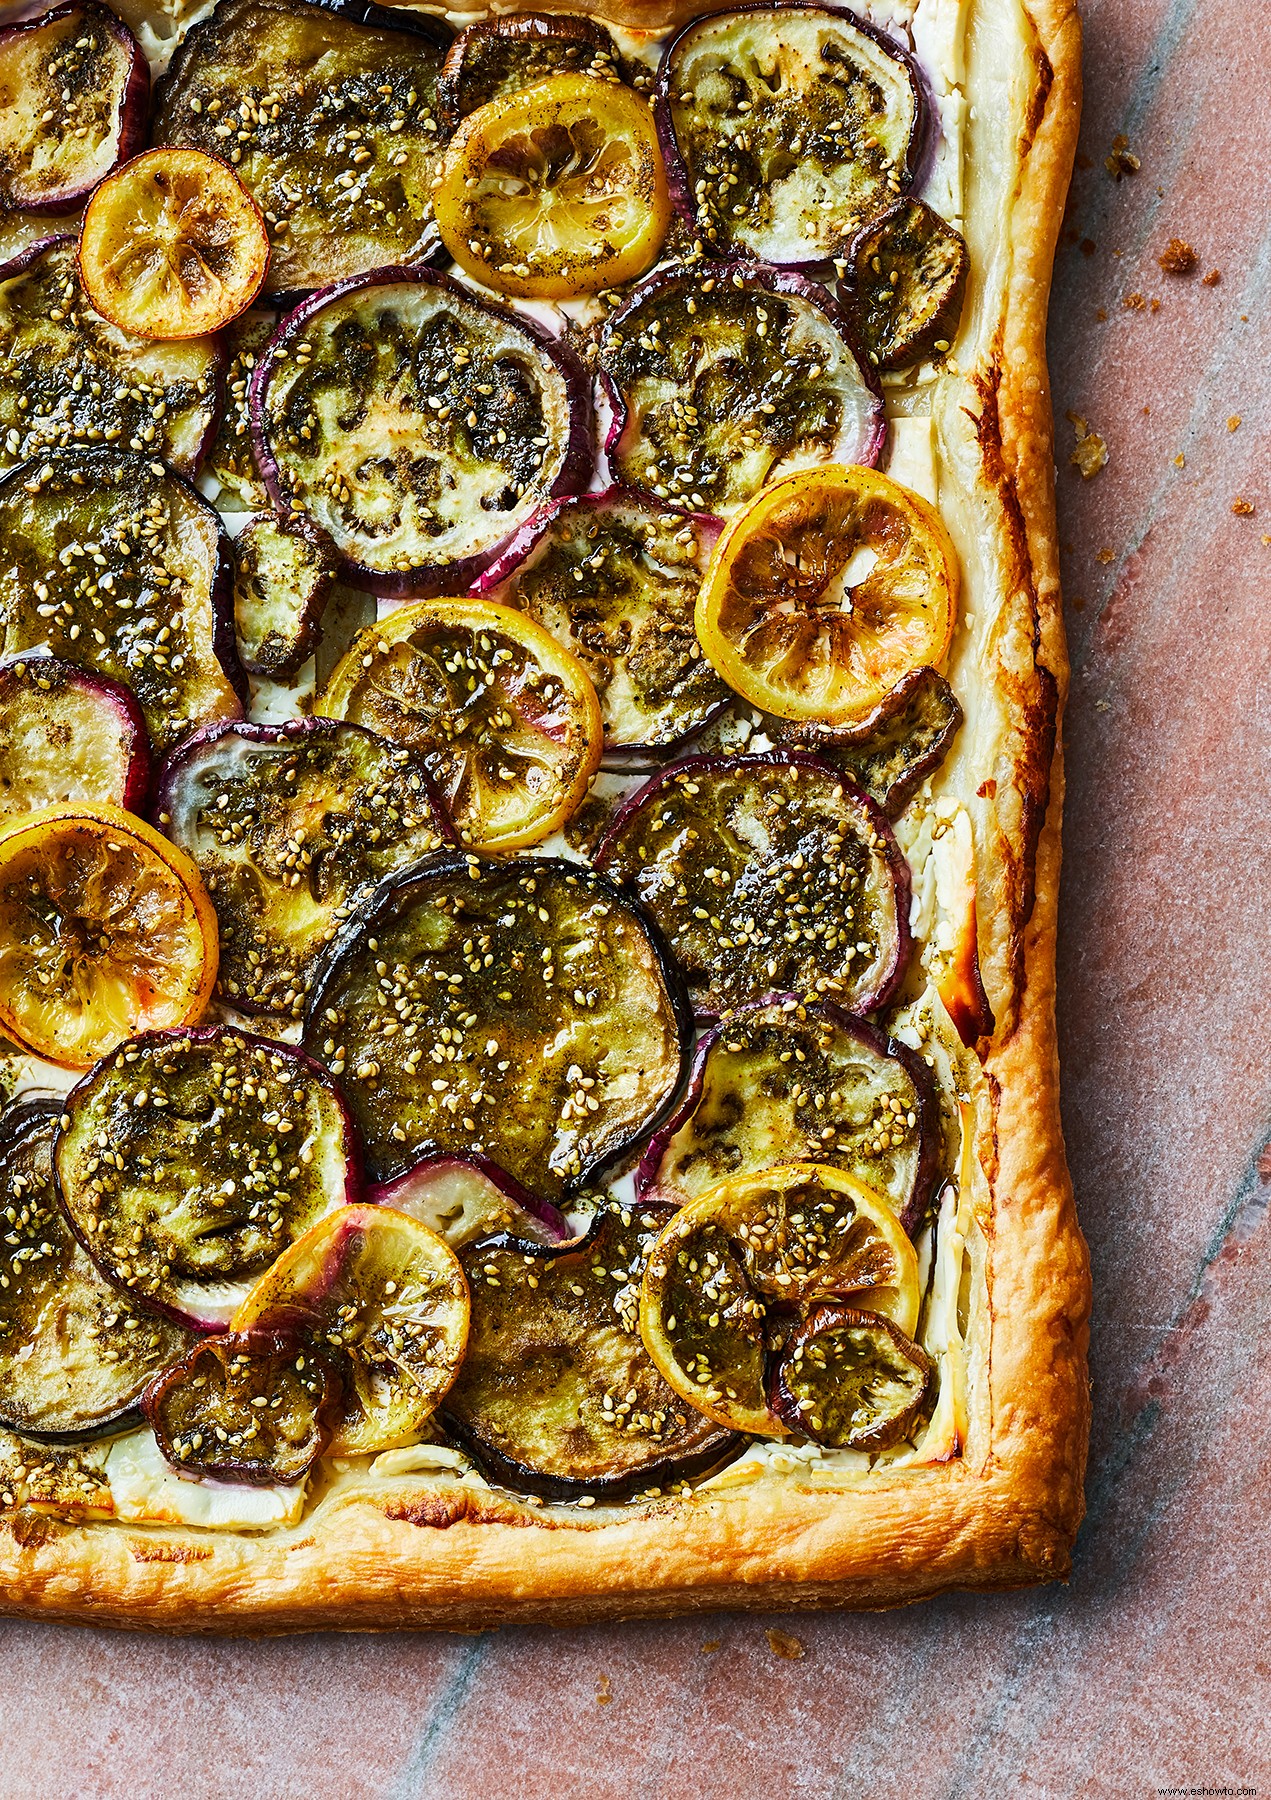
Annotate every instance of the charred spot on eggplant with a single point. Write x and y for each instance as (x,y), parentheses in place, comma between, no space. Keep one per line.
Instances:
(68,735)
(74,92)
(70,378)
(788,1082)
(231,460)
(906,281)
(850,1380)
(503,55)
(245,1407)
(117,564)
(906,738)
(328,114)
(75,1356)
(766,874)
(188,1160)
(282,577)
(419,426)
(557,1395)
(523,1012)
(724,377)
(615,578)
(795,125)
(293,828)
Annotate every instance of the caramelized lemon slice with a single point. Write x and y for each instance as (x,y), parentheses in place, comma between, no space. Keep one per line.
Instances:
(105,931)
(556,190)
(172,246)
(831,586)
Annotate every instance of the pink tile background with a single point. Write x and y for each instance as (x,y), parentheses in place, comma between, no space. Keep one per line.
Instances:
(1151,1669)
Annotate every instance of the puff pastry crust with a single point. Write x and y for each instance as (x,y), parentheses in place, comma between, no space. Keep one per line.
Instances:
(442,1551)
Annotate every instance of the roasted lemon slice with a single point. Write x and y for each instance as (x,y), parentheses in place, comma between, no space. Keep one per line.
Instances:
(105,931)
(172,246)
(831,586)
(737,1270)
(505,719)
(556,190)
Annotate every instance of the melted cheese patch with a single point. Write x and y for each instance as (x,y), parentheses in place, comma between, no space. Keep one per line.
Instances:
(146,1491)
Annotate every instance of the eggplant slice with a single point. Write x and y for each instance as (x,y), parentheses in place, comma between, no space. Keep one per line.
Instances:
(328,114)
(247,1408)
(70,378)
(523,1012)
(503,55)
(461,1199)
(75,1356)
(188,1160)
(231,460)
(724,377)
(74,94)
(67,737)
(850,1380)
(794,125)
(785,1082)
(557,1395)
(905,739)
(117,564)
(282,578)
(905,284)
(293,828)
(419,426)
(766,874)
(615,577)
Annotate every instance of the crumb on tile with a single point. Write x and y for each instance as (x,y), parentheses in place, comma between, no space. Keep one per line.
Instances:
(1091,453)
(1243,509)
(1135,302)
(1122,161)
(1101,313)
(1106,555)
(782,1644)
(603,1695)
(1233,423)
(711,1646)
(1178,257)
(1180,461)
(1212,279)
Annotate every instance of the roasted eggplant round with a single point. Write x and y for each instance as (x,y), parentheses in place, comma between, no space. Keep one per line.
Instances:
(766,874)
(75,1355)
(736,1270)
(502,716)
(69,736)
(384,1301)
(246,1407)
(328,113)
(293,828)
(786,1082)
(723,377)
(419,425)
(502,55)
(231,461)
(189,1160)
(905,284)
(282,579)
(461,1198)
(555,191)
(524,1012)
(74,93)
(117,564)
(850,1380)
(615,577)
(70,378)
(792,126)
(892,750)
(106,931)
(557,1395)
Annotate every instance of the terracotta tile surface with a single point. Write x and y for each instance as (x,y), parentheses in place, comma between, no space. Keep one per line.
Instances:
(1150,1671)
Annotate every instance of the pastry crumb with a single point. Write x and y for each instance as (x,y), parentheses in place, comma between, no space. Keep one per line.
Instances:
(1233,423)
(1178,257)
(603,1695)
(1212,279)
(1243,509)
(788,1648)
(1122,161)
(1180,461)
(1106,554)
(1134,302)
(711,1646)
(1091,453)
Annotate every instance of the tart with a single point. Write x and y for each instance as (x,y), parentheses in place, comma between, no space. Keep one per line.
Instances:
(535,534)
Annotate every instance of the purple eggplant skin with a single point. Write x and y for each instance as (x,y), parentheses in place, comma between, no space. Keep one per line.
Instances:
(776,281)
(898,867)
(922,141)
(427,581)
(354,1178)
(531,30)
(521,549)
(828,1316)
(112,696)
(398,1192)
(132,110)
(914,1211)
